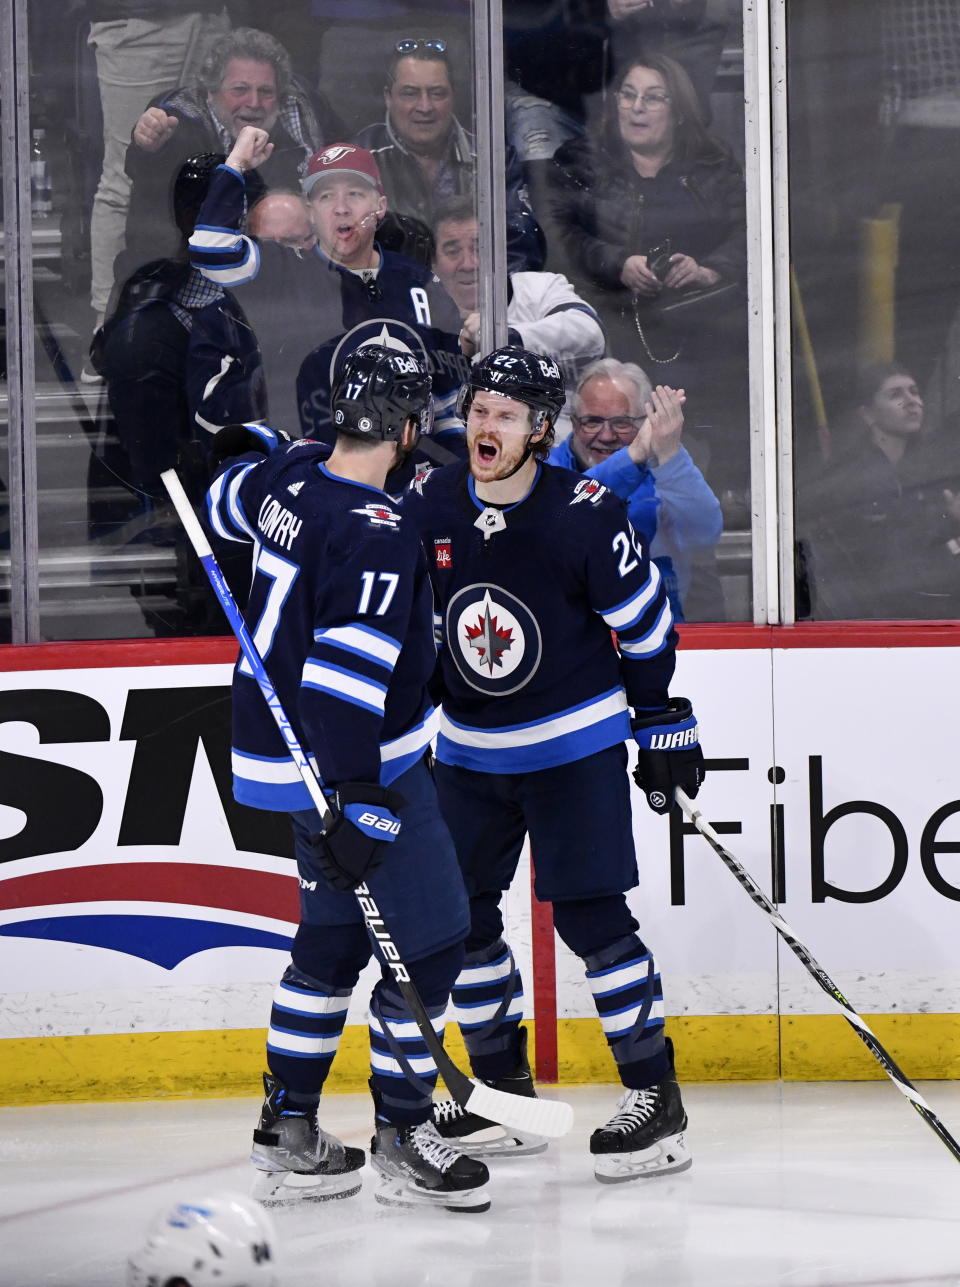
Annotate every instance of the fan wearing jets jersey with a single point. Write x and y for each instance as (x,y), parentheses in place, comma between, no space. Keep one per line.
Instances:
(533,566)
(341,610)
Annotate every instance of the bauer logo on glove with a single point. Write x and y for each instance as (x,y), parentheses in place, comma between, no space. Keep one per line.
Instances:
(353,846)
(669,753)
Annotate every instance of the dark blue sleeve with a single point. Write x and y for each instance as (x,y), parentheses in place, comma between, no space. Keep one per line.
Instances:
(526,244)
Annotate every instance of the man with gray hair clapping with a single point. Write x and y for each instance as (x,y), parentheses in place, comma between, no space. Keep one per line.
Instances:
(668,499)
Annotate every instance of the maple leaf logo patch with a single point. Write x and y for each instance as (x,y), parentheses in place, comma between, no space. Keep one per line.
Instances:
(495,640)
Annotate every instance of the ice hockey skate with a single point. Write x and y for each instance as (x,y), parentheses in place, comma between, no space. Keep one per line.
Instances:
(645,1136)
(482,1138)
(416,1168)
(296,1161)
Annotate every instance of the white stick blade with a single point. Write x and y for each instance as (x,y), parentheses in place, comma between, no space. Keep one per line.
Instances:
(549,1117)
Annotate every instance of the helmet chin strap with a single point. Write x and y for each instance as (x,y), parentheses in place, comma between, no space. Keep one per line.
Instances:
(526,451)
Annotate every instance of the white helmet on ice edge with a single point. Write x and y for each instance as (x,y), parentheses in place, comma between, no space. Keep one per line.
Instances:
(225,1240)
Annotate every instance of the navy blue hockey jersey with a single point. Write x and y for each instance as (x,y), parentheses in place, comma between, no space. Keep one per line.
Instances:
(307,314)
(341,611)
(527,597)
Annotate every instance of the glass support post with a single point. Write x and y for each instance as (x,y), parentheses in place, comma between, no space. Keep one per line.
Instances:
(491,171)
(762,305)
(21,376)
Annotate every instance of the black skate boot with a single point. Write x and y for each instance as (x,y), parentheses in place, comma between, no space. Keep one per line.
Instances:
(645,1136)
(415,1167)
(296,1160)
(482,1138)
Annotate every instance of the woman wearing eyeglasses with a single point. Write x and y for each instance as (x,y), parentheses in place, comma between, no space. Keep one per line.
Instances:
(651,216)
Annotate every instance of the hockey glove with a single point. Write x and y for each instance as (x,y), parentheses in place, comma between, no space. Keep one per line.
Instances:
(237,440)
(670,754)
(352,847)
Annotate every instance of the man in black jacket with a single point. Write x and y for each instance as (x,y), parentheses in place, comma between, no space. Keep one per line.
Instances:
(245,80)
(425,156)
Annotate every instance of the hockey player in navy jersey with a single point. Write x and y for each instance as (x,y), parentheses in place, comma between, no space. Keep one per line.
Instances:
(533,566)
(342,612)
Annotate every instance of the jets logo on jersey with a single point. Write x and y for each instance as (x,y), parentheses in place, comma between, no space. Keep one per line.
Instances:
(379,515)
(494,639)
(588,489)
(421,478)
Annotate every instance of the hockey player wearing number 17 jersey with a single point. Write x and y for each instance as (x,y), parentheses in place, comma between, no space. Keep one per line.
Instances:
(341,610)
(533,566)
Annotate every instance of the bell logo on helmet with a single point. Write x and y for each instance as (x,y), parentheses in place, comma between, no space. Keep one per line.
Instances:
(549,369)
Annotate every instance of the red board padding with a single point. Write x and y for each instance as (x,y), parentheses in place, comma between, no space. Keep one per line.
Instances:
(823,634)
(107,654)
(197,652)
(544,986)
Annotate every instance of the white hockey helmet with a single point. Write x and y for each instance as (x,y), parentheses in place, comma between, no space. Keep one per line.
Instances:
(225,1240)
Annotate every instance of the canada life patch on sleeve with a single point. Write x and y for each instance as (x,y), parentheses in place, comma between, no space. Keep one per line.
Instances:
(379,515)
(443,551)
(588,489)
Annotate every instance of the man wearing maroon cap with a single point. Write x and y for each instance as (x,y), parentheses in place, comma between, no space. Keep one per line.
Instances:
(309,311)
(345,196)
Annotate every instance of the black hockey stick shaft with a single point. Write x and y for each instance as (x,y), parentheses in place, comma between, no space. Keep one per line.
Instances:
(542,1116)
(813,967)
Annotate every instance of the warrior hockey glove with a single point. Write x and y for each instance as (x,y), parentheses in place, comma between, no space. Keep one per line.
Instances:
(352,847)
(670,754)
(237,440)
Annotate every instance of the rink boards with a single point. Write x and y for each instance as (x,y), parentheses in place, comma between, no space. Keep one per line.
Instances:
(145,919)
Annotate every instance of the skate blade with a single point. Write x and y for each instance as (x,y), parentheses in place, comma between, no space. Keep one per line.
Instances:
(668,1156)
(284,1188)
(494,1141)
(394,1191)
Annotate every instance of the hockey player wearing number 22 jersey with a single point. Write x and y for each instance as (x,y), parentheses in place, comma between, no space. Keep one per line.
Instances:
(341,611)
(533,566)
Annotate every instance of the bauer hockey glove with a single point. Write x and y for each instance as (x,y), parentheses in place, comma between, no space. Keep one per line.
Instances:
(670,754)
(352,847)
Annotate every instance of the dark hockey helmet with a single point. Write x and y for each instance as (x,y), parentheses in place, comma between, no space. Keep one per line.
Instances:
(518,373)
(378,391)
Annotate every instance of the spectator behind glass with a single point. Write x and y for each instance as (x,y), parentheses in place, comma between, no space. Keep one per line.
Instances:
(141,50)
(142,353)
(425,156)
(558,57)
(652,218)
(245,80)
(282,217)
(310,308)
(544,312)
(668,499)
(880,528)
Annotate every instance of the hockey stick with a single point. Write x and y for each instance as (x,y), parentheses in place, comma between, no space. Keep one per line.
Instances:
(547,1117)
(869,1039)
